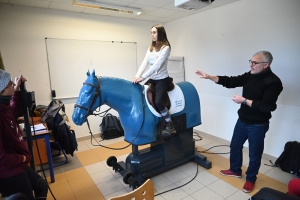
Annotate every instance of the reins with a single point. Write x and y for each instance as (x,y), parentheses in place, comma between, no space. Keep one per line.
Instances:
(89,111)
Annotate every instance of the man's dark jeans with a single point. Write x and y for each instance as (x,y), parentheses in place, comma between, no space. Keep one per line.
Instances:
(255,133)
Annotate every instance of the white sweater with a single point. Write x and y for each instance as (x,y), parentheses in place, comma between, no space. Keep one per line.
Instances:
(158,62)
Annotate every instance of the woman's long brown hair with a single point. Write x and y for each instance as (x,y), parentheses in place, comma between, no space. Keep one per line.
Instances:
(162,39)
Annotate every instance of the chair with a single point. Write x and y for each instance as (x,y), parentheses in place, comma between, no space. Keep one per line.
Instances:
(144,192)
(56,146)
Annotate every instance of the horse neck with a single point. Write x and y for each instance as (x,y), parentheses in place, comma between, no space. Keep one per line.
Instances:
(116,92)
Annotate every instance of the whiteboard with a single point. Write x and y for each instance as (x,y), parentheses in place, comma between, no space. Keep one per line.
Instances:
(176,68)
(69,60)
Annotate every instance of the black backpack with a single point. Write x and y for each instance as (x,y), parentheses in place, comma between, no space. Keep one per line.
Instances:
(55,118)
(111,127)
(53,110)
(289,160)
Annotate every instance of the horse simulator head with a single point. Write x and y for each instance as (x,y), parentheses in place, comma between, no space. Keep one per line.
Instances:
(87,96)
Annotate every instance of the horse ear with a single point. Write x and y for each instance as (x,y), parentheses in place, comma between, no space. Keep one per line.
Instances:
(93,73)
(88,73)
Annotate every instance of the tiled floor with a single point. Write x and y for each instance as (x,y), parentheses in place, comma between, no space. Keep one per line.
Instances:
(87,176)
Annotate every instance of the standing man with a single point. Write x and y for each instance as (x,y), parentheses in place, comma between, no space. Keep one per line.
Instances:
(261,88)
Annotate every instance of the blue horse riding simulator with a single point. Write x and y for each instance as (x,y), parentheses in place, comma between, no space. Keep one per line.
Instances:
(142,125)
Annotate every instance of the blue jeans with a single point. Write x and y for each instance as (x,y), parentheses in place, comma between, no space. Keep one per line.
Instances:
(255,133)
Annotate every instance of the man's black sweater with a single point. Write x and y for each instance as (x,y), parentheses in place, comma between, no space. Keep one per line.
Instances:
(263,89)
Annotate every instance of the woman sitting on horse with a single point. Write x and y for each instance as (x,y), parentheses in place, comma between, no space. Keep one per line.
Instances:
(157,57)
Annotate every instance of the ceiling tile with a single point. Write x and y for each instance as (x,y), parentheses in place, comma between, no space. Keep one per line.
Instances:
(63,1)
(112,2)
(129,1)
(223,2)
(171,6)
(164,19)
(155,3)
(63,6)
(180,15)
(147,17)
(123,15)
(152,10)
(145,9)
(33,3)
(97,11)
(161,12)
(206,8)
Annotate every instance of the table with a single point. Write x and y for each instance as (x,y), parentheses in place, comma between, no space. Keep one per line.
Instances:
(45,134)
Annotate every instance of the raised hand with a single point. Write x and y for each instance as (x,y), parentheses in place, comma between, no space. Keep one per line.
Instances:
(18,81)
(202,74)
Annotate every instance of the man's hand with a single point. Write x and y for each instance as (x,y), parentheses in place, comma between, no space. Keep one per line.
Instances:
(206,76)
(238,99)
(202,74)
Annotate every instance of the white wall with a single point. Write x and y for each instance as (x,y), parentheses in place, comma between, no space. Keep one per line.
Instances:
(22,43)
(222,40)
(218,41)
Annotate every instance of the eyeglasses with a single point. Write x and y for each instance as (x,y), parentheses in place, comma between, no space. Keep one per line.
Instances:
(255,63)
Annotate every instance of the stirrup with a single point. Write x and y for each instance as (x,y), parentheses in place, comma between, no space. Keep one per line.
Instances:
(168,129)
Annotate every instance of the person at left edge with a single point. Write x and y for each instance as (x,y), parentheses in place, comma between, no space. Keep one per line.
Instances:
(15,174)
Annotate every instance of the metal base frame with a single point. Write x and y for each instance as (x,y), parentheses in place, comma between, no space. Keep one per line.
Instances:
(161,156)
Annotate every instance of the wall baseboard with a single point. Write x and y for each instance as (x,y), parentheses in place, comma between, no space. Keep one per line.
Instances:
(87,137)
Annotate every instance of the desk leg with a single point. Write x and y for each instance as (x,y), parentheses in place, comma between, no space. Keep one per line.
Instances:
(49,154)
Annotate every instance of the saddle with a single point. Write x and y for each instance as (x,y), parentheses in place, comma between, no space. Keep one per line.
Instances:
(152,91)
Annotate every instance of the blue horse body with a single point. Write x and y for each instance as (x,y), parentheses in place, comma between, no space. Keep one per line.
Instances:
(139,123)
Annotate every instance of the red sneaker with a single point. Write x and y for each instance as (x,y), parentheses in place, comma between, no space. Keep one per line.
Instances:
(248,187)
(230,173)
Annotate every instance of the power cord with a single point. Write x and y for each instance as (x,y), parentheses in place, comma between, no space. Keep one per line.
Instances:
(195,134)
(205,151)
(181,185)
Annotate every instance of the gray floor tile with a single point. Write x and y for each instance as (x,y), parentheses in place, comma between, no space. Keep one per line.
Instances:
(222,188)
(192,187)
(206,194)
(174,194)
(205,178)
(110,187)
(239,195)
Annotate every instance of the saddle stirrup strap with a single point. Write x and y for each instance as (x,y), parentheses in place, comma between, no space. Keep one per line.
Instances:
(166,114)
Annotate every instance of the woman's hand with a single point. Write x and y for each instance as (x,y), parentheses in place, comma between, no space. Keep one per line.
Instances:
(137,80)
(18,81)
(24,158)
